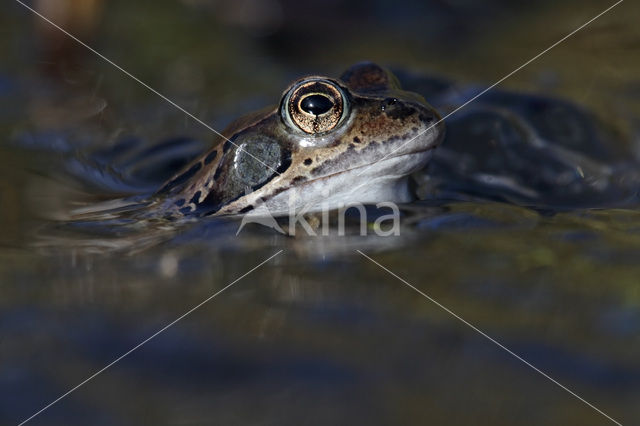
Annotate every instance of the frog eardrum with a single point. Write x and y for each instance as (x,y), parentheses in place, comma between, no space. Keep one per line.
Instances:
(251,156)
(314,106)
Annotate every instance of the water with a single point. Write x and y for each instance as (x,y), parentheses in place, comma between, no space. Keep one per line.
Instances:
(319,334)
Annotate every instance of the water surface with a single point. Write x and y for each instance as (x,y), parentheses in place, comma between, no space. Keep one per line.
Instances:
(318,335)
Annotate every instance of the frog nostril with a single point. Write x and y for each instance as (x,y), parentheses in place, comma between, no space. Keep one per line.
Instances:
(316,104)
(388,104)
(397,110)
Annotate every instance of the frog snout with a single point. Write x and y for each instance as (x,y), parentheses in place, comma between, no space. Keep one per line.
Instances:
(397,109)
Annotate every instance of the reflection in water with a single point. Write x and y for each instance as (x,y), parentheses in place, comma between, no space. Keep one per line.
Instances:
(336,331)
(319,335)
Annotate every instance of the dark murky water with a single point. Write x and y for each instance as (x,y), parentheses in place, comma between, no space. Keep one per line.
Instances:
(319,334)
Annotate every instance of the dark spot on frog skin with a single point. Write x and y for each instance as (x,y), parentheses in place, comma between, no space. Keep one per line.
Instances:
(180,202)
(226,147)
(213,202)
(210,157)
(298,179)
(246,209)
(182,178)
(356,139)
(308,161)
(195,197)
(185,210)
(216,175)
(278,191)
(286,162)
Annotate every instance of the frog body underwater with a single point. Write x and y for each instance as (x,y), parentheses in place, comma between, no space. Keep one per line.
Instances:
(330,142)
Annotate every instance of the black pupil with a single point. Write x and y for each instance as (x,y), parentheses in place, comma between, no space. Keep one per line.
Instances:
(316,104)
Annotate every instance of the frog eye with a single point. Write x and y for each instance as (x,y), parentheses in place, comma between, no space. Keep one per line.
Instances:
(314,106)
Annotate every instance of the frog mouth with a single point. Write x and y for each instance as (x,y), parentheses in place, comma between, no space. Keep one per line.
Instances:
(382,183)
(381,162)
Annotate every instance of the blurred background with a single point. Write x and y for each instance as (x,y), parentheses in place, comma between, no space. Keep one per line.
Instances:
(319,335)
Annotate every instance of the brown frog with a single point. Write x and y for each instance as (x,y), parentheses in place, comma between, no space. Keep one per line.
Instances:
(329,143)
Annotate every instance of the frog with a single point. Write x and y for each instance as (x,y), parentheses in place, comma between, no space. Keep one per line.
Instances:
(329,142)
(365,137)
(370,136)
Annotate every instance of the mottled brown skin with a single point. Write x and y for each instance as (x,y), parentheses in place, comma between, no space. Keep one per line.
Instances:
(378,120)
